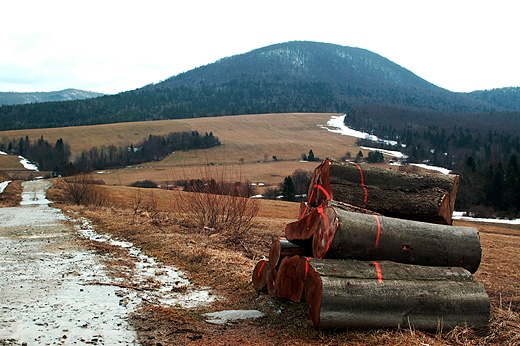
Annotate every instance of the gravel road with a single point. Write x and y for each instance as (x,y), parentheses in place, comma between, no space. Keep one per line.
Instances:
(45,295)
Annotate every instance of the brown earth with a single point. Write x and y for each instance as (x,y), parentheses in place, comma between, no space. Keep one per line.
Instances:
(224,261)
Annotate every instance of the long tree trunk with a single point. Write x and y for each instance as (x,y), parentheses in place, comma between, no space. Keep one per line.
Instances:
(425,197)
(352,294)
(337,233)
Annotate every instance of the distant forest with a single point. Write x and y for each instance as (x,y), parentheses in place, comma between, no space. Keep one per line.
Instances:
(487,160)
(56,157)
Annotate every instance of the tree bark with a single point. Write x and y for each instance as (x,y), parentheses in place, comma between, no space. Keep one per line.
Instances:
(336,233)
(351,294)
(428,197)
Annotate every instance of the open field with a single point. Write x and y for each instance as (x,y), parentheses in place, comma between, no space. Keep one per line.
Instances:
(249,143)
(249,137)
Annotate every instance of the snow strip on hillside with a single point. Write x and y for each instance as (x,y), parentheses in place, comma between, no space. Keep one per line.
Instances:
(336,124)
(462,215)
(28,164)
(3,185)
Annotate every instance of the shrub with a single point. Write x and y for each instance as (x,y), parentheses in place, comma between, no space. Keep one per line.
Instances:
(145,184)
(214,203)
(81,189)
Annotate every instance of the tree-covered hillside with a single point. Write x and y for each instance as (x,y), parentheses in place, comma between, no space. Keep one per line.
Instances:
(286,77)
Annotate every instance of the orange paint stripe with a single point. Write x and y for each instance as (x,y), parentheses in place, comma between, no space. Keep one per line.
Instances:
(365,190)
(327,226)
(376,244)
(327,195)
(260,270)
(379,272)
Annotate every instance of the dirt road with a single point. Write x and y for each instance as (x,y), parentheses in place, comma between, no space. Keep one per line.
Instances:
(46,295)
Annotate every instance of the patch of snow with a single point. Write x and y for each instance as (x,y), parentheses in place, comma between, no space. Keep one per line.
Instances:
(166,285)
(2,153)
(223,317)
(393,153)
(336,124)
(462,215)
(433,168)
(3,185)
(28,164)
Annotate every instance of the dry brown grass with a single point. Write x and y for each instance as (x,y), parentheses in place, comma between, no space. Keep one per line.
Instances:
(246,136)
(10,162)
(12,195)
(211,260)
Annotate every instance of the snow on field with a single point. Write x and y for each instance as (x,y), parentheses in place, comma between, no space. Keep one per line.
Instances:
(393,153)
(434,168)
(2,153)
(28,164)
(3,185)
(462,215)
(336,124)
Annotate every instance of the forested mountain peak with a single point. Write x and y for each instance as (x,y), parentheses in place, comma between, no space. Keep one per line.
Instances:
(297,76)
(306,62)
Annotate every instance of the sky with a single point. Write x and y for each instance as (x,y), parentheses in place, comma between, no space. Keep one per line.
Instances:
(111,46)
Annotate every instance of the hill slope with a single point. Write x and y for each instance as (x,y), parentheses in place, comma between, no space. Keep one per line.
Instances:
(15,98)
(502,97)
(286,77)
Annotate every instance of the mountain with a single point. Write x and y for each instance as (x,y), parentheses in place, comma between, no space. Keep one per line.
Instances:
(296,76)
(15,98)
(501,97)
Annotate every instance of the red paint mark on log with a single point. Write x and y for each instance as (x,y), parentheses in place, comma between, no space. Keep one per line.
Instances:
(379,272)
(259,273)
(376,244)
(325,241)
(362,176)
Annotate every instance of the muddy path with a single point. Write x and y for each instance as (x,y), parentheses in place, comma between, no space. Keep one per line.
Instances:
(45,295)
(55,289)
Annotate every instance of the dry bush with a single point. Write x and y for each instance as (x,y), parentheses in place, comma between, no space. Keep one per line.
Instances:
(216,212)
(81,189)
(216,203)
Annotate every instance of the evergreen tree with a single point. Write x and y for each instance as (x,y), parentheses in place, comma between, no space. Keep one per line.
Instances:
(288,189)
(310,157)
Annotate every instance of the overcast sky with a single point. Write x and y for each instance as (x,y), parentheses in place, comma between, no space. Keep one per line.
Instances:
(112,46)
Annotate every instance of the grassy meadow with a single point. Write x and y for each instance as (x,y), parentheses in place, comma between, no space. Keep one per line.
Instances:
(249,143)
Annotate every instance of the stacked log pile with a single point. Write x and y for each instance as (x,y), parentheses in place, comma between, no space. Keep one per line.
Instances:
(376,248)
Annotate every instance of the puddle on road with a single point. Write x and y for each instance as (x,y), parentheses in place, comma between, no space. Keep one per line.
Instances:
(163,285)
(54,293)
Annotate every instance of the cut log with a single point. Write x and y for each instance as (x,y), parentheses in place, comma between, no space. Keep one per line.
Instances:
(427,197)
(306,208)
(260,275)
(281,248)
(271,281)
(337,233)
(352,294)
(288,285)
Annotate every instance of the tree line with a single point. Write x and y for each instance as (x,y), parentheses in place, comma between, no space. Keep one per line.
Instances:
(486,156)
(57,157)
